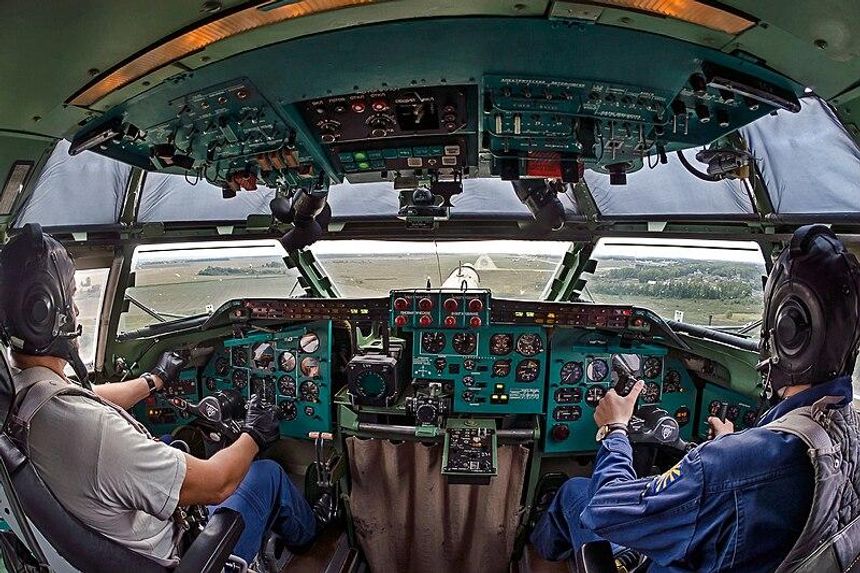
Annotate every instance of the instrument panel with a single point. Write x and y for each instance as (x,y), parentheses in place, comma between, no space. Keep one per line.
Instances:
(290,367)
(491,358)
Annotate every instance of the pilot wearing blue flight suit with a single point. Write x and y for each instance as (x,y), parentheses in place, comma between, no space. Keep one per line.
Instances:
(741,501)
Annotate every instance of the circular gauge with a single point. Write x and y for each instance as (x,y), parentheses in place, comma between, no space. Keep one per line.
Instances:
(309,392)
(239,356)
(750,418)
(597,370)
(309,343)
(464,342)
(287,361)
(222,366)
(671,382)
(529,344)
(211,384)
(733,412)
(287,386)
(682,416)
(469,364)
(263,355)
(432,342)
(571,372)
(287,411)
(528,370)
(651,393)
(501,368)
(652,367)
(594,394)
(714,408)
(310,367)
(240,379)
(370,385)
(501,344)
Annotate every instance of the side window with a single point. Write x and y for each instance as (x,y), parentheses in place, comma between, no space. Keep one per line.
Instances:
(88,297)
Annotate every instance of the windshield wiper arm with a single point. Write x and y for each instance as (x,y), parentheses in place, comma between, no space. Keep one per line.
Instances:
(157,315)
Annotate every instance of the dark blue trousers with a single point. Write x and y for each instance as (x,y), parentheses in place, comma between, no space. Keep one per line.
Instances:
(267,499)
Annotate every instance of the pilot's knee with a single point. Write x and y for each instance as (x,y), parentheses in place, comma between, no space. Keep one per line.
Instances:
(263,472)
(573,494)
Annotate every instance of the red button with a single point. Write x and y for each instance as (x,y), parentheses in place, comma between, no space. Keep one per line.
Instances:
(401,303)
(358,106)
(425,304)
(450,321)
(451,304)
(475,305)
(379,105)
(425,320)
(560,432)
(475,321)
(400,320)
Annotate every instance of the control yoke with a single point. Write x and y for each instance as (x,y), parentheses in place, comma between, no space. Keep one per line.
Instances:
(222,412)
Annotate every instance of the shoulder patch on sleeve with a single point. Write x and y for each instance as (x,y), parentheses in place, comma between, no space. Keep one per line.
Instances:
(666,479)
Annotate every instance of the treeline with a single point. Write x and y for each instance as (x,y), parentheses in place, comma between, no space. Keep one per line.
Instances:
(657,272)
(273,268)
(711,280)
(686,288)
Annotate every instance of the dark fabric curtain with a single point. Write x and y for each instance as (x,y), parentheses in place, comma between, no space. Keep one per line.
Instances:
(409,520)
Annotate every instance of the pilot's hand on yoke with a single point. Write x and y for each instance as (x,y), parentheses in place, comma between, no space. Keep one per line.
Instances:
(261,422)
(719,428)
(616,409)
(167,370)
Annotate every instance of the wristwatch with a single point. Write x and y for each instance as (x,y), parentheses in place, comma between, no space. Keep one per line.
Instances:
(150,381)
(606,429)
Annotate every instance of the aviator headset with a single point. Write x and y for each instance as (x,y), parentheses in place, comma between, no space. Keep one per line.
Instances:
(37,314)
(811,323)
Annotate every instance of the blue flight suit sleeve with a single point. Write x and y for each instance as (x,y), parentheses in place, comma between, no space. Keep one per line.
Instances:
(655,515)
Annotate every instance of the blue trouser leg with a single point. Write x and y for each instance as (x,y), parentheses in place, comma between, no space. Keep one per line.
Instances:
(267,498)
(558,531)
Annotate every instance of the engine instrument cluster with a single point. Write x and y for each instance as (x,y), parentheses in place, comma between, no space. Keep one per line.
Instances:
(291,368)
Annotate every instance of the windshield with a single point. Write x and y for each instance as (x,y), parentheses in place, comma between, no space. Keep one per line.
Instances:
(511,269)
(174,281)
(710,283)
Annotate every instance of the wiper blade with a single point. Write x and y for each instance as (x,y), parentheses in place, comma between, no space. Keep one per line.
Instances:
(157,315)
(715,335)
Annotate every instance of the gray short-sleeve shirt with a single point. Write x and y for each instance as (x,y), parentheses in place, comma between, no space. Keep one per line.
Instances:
(106,473)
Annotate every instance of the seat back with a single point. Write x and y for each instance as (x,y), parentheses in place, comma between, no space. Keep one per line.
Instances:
(54,536)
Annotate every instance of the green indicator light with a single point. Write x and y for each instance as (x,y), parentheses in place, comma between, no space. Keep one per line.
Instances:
(360,155)
(364,165)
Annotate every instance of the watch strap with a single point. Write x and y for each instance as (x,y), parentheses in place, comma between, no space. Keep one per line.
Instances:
(150,381)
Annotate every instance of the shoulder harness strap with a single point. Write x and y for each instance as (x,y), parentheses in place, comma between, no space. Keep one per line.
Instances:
(806,424)
(33,395)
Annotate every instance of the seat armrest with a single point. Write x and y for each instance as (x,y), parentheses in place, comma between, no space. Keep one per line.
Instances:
(214,544)
(597,557)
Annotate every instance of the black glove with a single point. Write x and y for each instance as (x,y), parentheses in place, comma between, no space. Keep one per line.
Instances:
(168,368)
(261,422)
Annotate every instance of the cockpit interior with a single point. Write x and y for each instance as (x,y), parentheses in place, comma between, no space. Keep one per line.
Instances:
(431,235)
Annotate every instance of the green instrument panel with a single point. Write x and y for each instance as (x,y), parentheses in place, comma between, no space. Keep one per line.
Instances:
(494,370)
(291,368)
(158,415)
(742,411)
(585,365)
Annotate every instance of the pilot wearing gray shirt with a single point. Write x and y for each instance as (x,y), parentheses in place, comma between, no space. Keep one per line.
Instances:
(98,461)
